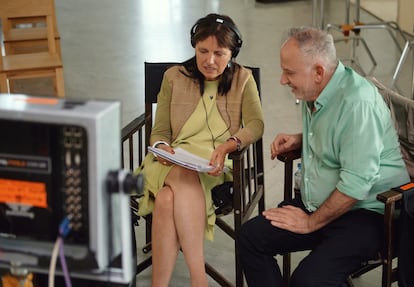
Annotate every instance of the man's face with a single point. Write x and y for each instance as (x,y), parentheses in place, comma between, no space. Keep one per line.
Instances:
(298,72)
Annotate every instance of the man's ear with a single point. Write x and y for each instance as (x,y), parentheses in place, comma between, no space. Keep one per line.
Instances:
(319,73)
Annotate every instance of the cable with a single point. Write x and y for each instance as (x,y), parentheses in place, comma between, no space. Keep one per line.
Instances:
(64,229)
(58,250)
(213,139)
(52,266)
(64,266)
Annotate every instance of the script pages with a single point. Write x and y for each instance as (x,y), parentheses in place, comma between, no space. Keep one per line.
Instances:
(185,159)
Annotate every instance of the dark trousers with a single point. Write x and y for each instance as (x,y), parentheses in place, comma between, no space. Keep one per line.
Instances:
(336,250)
(406,241)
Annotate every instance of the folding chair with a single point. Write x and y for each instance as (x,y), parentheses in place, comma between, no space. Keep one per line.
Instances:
(28,34)
(248,171)
(32,65)
(402,111)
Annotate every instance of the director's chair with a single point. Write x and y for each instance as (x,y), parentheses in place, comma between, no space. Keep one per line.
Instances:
(248,172)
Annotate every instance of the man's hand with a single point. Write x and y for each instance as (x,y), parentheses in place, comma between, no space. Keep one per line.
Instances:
(290,218)
(284,143)
(294,219)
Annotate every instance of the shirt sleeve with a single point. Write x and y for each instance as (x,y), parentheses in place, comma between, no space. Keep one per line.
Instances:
(360,135)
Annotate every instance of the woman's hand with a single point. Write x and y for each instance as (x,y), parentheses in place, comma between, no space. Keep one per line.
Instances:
(167,148)
(284,143)
(219,155)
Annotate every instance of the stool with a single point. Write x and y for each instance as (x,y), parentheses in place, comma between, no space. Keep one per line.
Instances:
(409,45)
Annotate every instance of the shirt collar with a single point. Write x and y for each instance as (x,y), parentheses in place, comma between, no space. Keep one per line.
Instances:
(331,89)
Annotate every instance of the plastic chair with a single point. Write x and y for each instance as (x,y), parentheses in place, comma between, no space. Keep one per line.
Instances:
(32,65)
(402,111)
(248,171)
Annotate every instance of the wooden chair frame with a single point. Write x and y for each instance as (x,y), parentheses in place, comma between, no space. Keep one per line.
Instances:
(248,171)
(32,65)
(22,35)
(391,200)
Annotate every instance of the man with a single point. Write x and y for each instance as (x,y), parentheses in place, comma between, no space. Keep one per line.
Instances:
(350,153)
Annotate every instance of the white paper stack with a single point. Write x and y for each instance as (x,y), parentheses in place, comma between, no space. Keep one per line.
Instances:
(185,159)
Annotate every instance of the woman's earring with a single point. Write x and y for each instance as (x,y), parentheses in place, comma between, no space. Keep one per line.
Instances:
(229,64)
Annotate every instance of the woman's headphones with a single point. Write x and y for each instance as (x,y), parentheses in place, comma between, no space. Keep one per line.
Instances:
(210,21)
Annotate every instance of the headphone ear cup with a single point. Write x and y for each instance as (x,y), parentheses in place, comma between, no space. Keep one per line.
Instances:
(192,32)
(235,52)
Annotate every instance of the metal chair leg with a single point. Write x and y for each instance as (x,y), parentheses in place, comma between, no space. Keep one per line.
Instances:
(409,45)
(390,26)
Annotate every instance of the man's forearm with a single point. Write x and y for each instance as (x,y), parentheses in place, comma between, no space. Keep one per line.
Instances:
(334,206)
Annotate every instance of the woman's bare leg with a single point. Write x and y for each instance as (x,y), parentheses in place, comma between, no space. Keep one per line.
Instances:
(190,220)
(164,240)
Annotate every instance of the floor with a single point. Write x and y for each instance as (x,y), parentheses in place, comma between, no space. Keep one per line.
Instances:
(105,43)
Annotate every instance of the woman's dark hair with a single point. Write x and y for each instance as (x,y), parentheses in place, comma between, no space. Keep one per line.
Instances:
(227,36)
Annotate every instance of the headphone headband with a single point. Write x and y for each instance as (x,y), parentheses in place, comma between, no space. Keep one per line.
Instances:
(219,20)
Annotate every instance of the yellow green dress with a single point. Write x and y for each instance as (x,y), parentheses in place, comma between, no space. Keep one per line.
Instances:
(204,130)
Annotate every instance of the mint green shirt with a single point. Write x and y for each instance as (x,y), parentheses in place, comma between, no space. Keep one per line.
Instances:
(349,143)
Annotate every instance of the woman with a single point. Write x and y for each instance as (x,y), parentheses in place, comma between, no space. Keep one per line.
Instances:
(201,106)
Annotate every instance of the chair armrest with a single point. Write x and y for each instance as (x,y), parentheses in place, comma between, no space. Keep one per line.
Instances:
(238,155)
(290,155)
(390,196)
(133,130)
(247,162)
(132,127)
(395,194)
(248,182)
(390,199)
(287,158)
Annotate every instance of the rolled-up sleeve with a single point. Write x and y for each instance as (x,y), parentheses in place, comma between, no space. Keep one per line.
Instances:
(360,136)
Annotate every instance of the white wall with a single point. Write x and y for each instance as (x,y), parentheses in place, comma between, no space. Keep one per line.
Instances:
(405,15)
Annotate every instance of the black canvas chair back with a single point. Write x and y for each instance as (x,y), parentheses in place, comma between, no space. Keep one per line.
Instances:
(402,113)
